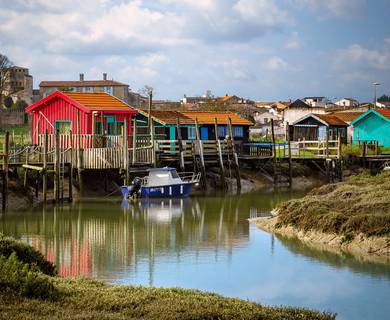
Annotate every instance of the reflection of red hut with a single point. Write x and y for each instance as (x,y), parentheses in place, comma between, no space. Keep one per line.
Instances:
(99,113)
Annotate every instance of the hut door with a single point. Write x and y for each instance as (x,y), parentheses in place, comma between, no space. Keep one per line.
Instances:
(110,125)
(204,133)
(322,133)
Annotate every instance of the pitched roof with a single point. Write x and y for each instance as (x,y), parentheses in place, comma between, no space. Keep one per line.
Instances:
(347,116)
(208,117)
(87,102)
(331,119)
(86,83)
(384,112)
(167,116)
(98,101)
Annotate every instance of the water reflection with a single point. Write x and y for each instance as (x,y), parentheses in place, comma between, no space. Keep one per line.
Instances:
(95,239)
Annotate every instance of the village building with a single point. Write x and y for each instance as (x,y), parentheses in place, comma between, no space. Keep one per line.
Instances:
(348,117)
(319,127)
(383,104)
(99,113)
(114,88)
(321,102)
(299,109)
(18,84)
(166,121)
(347,102)
(374,125)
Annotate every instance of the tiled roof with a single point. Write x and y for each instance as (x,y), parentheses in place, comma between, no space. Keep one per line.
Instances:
(208,117)
(348,116)
(86,83)
(98,101)
(331,119)
(168,117)
(224,99)
(384,112)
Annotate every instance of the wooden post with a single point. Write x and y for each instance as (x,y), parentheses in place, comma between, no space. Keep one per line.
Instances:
(201,156)
(154,157)
(126,153)
(57,166)
(327,144)
(150,102)
(236,164)
(26,170)
(44,176)
(339,147)
(220,156)
(290,175)
(5,171)
(274,152)
(78,151)
(93,128)
(180,142)
(70,168)
(134,154)
(364,153)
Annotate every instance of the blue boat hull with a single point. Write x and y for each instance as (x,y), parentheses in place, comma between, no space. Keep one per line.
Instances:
(171,191)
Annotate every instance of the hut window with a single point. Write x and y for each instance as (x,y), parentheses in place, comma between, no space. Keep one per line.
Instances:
(108,89)
(120,125)
(238,132)
(191,133)
(63,126)
(222,131)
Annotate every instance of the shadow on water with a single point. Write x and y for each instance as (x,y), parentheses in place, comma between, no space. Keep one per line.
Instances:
(337,258)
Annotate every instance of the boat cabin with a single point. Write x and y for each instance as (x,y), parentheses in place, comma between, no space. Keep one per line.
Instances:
(163,177)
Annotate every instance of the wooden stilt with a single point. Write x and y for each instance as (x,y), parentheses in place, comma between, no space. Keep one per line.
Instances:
(275,174)
(70,167)
(26,170)
(79,163)
(220,155)
(134,155)
(235,156)
(154,157)
(57,166)
(180,142)
(290,175)
(126,154)
(201,155)
(44,173)
(5,171)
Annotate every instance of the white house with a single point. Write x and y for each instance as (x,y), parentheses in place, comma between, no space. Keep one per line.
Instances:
(317,101)
(382,104)
(299,109)
(347,102)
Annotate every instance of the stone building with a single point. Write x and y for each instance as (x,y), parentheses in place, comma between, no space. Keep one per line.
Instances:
(114,88)
(18,84)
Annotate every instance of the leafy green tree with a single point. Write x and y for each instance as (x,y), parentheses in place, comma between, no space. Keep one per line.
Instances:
(384,98)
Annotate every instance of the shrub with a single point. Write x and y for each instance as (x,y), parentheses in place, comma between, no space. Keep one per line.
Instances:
(26,254)
(24,280)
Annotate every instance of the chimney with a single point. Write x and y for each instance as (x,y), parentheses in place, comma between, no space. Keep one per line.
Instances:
(81,76)
(104,76)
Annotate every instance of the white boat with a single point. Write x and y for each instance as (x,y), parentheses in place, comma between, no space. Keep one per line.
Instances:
(161,183)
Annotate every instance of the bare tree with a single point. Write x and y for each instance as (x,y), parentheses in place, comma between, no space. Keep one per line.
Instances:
(5,65)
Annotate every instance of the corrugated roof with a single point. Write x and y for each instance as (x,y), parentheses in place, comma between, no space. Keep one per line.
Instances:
(98,101)
(331,119)
(168,116)
(86,83)
(208,117)
(384,112)
(348,116)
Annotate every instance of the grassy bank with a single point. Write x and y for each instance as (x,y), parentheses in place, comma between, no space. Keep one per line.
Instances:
(29,290)
(359,206)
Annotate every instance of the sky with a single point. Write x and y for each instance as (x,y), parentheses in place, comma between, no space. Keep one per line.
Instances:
(263,50)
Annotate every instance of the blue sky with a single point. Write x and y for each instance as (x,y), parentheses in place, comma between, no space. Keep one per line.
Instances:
(259,49)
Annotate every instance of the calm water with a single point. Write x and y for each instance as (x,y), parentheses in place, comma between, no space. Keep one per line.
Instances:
(204,243)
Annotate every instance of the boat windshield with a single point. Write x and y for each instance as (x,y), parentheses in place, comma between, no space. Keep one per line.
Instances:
(174,174)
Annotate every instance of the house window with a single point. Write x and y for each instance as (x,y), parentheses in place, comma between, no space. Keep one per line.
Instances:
(88,89)
(238,132)
(191,133)
(222,131)
(107,89)
(265,120)
(63,126)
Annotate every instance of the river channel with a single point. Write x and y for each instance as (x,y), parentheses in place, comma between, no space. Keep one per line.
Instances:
(205,243)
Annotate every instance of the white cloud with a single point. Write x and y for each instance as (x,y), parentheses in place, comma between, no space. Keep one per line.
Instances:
(294,42)
(275,63)
(356,56)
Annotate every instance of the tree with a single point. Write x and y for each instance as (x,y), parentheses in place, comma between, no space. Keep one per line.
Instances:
(20,104)
(384,98)
(5,65)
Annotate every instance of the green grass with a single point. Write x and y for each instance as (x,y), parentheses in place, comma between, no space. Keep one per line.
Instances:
(27,293)
(360,205)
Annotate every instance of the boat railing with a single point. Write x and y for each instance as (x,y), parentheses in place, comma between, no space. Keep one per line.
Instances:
(189,176)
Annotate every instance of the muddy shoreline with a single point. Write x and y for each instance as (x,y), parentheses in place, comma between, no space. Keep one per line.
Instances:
(368,248)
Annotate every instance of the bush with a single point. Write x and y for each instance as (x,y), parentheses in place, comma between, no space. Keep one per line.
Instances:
(26,254)
(24,280)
